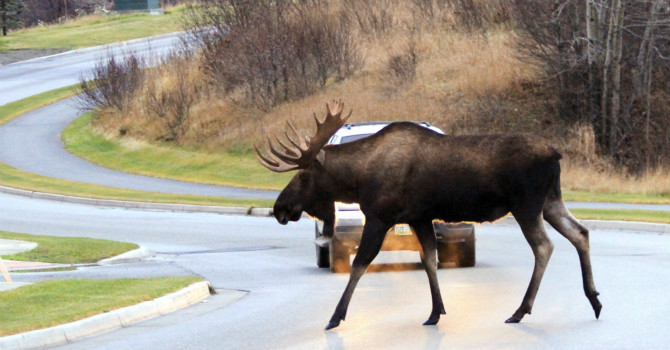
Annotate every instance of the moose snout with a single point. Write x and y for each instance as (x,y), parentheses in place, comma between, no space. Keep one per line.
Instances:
(281,217)
(284,213)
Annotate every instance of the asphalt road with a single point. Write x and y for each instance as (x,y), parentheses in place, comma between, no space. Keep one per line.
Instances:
(290,300)
(23,79)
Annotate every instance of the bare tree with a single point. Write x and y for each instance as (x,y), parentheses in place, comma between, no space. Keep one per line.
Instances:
(608,57)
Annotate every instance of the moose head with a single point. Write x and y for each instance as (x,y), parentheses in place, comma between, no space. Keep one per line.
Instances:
(311,189)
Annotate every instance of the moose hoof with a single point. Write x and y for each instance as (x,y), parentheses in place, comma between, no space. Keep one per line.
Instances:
(332,324)
(597,306)
(513,319)
(517,316)
(432,320)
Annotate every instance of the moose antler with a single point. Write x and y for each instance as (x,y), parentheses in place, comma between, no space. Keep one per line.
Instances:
(302,150)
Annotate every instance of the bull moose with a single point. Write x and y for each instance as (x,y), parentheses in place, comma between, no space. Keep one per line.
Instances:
(408,174)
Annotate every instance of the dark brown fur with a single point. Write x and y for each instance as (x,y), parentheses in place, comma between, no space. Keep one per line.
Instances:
(409,174)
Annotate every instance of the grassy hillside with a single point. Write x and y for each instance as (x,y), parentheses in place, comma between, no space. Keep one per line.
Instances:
(408,65)
(463,84)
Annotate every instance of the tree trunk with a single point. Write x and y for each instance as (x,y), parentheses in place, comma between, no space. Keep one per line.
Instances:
(617,47)
(3,9)
(607,68)
(592,38)
(643,74)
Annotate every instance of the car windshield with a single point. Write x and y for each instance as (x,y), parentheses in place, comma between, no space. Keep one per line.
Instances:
(351,138)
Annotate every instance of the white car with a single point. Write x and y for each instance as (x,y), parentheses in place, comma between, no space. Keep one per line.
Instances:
(455,242)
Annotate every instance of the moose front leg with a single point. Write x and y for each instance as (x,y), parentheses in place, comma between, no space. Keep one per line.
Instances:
(371,242)
(426,235)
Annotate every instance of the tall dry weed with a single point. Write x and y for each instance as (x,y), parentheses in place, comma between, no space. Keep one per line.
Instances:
(581,177)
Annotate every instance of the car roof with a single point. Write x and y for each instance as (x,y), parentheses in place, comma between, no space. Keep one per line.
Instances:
(368,128)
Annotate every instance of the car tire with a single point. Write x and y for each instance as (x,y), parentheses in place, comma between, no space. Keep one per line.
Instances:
(322,257)
(322,253)
(339,256)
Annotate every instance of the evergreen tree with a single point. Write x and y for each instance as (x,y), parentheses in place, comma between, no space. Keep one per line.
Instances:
(10,14)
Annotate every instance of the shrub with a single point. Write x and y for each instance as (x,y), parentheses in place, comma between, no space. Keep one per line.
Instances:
(273,51)
(171,100)
(114,83)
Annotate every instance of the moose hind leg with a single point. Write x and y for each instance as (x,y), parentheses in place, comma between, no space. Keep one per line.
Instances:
(558,216)
(426,235)
(371,242)
(542,247)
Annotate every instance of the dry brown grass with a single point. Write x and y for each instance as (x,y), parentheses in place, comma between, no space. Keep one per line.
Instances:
(584,170)
(593,179)
(458,78)
(456,73)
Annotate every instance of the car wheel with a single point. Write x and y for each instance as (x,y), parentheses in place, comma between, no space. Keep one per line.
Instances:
(322,253)
(339,256)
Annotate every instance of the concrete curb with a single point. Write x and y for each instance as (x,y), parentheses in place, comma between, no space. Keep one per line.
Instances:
(133,255)
(70,332)
(139,205)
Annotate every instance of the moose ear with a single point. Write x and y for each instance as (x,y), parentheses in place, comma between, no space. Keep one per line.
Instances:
(321,157)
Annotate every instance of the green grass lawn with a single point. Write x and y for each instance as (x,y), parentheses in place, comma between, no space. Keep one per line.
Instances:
(93,30)
(662,217)
(639,198)
(225,169)
(50,303)
(12,177)
(66,250)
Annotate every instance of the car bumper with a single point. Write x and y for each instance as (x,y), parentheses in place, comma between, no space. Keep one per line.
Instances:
(444,233)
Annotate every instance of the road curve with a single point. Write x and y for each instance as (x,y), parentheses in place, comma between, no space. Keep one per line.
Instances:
(32,143)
